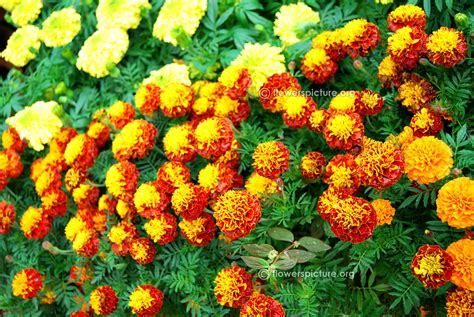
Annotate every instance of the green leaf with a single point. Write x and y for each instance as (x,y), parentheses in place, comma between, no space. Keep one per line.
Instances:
(285,264)
(254,262)
(259,250)
(427,6)
(281,234)
(301,256)
(313,244)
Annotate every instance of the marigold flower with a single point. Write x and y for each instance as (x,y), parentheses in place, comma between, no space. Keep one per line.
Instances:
(99,132)
(189,201)
(147,99)
(359,36)
(81,152)
(54,161)
(296,110)
(455,203)
(432,266)
(3,179)
(149,200)
(46,181)
(331,42)
(170,73)
(123,14)
(162,229)
(237,213)
(459,302)
(406,46)
(278,86)
(368,102)
(107,203)
(292,20)
(48,298)
(146,300)
(54,202)
(172,175)
(135,140)
(103,300)
(415,93)
(380,164)
(236,110)
(79,314)
(35,223)
(318,66)
(121,180)
(462,252)
(103,48)
(26,12)
(75,225)
(86,243)
(427,160)
(142,250)
(22,46)
(7,217)
(86,195)
(126,210)
(389,73)
(262,305)
(343,130)
(120,114)
(312,164)
(176,100)
(446,47)
(61,27)
(426,122)
(327,200)
(342,174)
(343,101)
(27,283)
(233,286)
(263,186)
(384,210)
(11,140)
(216,179)
(121,236)
(9,5)
(317,120)
(213,137)
(406,15)
(61,139)
(80,274)
(199,231)
(237,80)
(231,157)
(270,159)
(10,163)
(178,143)
(74,177)
(262,61)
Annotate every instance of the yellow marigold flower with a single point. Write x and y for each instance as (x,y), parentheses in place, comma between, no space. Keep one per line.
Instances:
(168,74)
(21,44)
(105,47)
(135,140)
(26,12)
(61,27)
(292,21)
(455,203)
(384,210)
(178,143)
(9,5)
(260,185)
(37,124)
(405,138)
(459,302)
(427,160)
(462,252)
(178,18)
(75,225)
(262,61)
(123,14)
(176,100)
(344,101)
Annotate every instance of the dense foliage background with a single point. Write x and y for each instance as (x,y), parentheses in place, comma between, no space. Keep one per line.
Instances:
(382,282)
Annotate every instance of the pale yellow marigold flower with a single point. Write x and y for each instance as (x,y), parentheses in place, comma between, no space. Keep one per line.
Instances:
(9,5)
(37,124)
(123,14)
(20,46)
(104,47)
(291,21)
(384,1)
(26,12)
(178,16)
(262,61)
(61,27)
(168,74)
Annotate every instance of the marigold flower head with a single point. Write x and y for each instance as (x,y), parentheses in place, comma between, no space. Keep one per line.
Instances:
(455,203)
(80,274)
(61,27)
(426,122)
(216,179)
(27,283)
(262,61)
(142,250)
(172,175)
(168,74)
(237,80)
(270,159)
(389,73)
(213,137)
(46,181)
(81,152)
(406,15)
(278,86)
(11,140)
(54,161)
(292,20)
(162,229)
(146,300)
(406,46)
(368,102)
(343,130)
(103,48)
(74,177)
(9,5)
(459,302)
(99,132)
(48,298)
(189,201)
(103,300)
(107,203)
(35,223)
(415,93)
(7,217)
(176,100)
(237,213)
(200,231)
(446,47)
(75,225)
(134,140)
(236,110)
(427,160)
(54,202)
(331,42)
(263,186)
(432,266)
(312,164)
(231,157)
(342,174)
(462,252)
(10,163)
(318,66)
(121,236)
(359,36)
(86,195)
(262,305)
(147,99)
(61,139)
(26,12)
(233,286)
(149,200)
(123,14)
(384,210)
(317,120)
(120,114)
(296,110)
(86,243)
(178,143)
(22,46)
(121,180)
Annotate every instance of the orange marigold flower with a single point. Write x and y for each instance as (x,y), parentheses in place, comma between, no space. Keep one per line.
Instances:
(459,302)
(176,100)
(103,300)
(147,99)
(329,198)
(121,236)
(74,178)
(342,174)
(80,274)
(270,159)
(405,138)
(61,140)
(263,186)
(54,202)
(213,137)
(231,157)
(10,162)
(120,114)
(237,213)
(406,46)
(277,86)
(389,73)
(46,181)
(432,266)
(171,175)
(331,42)
(142,250)
(368,102)
(81,152)
(216,179)
(86,195)
(446,47)
(343,101)
(162,229)
(99,132)
(178,143)
(199,231)
(296,110)
(27,283)
(233,286)
(380,164)
(384,210)
(86,243)
(11,140)
(462,252)
(406,15)
(312,164)
(7,217)
(135,140)
(427,160)
(455,203)
(35,223)
(359,36)
(146,300)
(237,80)
(318,66)
(426,122)
(149,200)
(317,120)
(121,180)
(236,110)
(189,201)
(262,305)
(343,130)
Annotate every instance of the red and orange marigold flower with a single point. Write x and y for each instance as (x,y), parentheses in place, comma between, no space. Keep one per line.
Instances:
(237,80)
(135,140)
(262,305)
(162,229)
(178,143)
(200,231)
(407,46)
(54,202)
(368,102)
(176,100)
(149,200)
(121,180)
(389,73)
(312,164)
(11,140)
(27,283)
(331,42)
(462,252)
(455,203)
(276,87)
(415,93)
(342,174)
(216,179)
(327,200)
(359,36)
(384,210)
(432,266)
(74,177)
(121,236)
(80,274)
(317,120)
(446,47)
(270,159)
(120,114)
(10,163)
(146,300)
(103,300)
(86,243)
(100,132)
(7,217)
(142,250)
(296,110)
(213,137)
(318,66)
(343,130)
(426,122)
(49,179)
(81,152)
(86,195)
(171,175)
(189,201)
(406,15)
(233,287)
(61,140)
(35,223)
(147,99)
